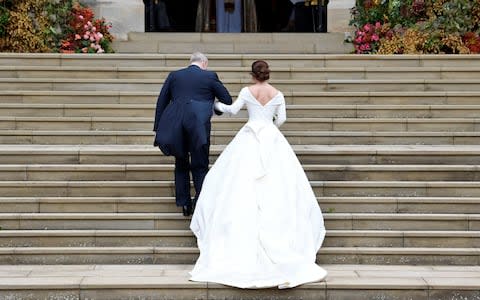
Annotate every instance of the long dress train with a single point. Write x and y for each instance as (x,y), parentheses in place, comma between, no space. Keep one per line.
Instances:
(257,220)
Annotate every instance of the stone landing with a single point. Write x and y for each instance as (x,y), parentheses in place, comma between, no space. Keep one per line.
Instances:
(355,282)
(234,43)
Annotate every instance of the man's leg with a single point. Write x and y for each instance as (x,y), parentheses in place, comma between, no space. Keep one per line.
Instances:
(182,181)
(199,167)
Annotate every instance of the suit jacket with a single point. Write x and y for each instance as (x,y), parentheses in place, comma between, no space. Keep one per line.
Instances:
(185,107)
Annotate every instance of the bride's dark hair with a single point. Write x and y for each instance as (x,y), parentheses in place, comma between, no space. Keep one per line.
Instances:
(260,70)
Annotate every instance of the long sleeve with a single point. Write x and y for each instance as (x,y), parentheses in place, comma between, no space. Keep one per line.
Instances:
(221,93)
(281,114)
(234,108)
(162,101)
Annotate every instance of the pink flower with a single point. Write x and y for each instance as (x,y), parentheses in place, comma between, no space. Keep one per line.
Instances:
(362,47)
(77,37)
(100,50)
(367,27)
(85,27)
(100,35)
(85,37)
(375,38)
(94,28)
(85,50)
(92,38)
(358,40)
(89,23)
(378,25)
(80,17)
(367,47)
(92,45)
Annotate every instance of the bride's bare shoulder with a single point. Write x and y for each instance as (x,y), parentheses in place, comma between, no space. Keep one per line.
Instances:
(273,91)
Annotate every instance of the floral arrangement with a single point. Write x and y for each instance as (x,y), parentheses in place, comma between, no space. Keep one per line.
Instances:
(89,35)
(51,26)
(367,38)
(416,26)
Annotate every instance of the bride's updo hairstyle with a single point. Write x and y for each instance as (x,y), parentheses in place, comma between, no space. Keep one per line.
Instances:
(260,70)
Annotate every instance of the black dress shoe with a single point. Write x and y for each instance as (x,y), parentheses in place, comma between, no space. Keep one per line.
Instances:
(187,210)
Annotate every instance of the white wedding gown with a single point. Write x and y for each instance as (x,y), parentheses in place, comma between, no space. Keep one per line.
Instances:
(257,221)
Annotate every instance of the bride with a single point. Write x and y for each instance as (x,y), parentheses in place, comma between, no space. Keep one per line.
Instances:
(257,221)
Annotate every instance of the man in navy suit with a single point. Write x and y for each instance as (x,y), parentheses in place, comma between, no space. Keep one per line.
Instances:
(182,124)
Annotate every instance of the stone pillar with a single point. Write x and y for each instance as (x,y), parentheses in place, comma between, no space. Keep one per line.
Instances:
(125,15)
(339,15)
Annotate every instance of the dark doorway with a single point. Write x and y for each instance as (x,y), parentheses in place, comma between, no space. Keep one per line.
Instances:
(170,15)
(272,16)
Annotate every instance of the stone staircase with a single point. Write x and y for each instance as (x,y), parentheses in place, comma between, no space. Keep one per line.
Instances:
(391,145)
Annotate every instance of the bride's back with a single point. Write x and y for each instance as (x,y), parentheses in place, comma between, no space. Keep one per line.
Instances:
(263,93)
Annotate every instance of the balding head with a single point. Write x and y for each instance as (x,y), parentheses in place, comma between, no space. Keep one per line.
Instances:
(199,59)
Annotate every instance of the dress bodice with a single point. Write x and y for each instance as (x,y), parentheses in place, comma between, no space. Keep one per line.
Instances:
(272,112)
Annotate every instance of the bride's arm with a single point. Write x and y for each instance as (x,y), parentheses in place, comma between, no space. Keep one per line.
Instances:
(234,108)
(281,114)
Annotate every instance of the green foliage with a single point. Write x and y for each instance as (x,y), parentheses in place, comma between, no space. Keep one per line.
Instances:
(392,11)
(4,16)
(455,17)
(59,15)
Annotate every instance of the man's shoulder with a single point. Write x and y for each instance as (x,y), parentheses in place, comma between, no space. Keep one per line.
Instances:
(211,74)
(191,71)
(179,71)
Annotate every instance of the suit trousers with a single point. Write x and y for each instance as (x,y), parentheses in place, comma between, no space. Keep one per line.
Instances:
(196,162)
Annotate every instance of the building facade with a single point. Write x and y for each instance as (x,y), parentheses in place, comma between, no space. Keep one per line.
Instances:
(131,15)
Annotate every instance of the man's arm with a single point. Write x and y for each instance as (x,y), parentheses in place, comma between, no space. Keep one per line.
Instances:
(162,101)
(221,93)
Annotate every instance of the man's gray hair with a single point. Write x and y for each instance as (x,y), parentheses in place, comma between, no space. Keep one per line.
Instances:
(198,57)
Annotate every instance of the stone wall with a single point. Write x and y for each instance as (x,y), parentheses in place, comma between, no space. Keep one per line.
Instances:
(339,15)
(125,15)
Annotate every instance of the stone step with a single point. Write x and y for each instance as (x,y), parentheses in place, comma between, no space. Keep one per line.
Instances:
(113,282)
(234,72)
(96,137)
(185,238)
(411,205)
(312,47)
(165,188)
(304,85)
(340,204)
(298,98)
(217,37)
(175,221)
(235,123)
(245,60)
(307,154)
(187,255)
(239,43)
(293,111)
(79,172)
